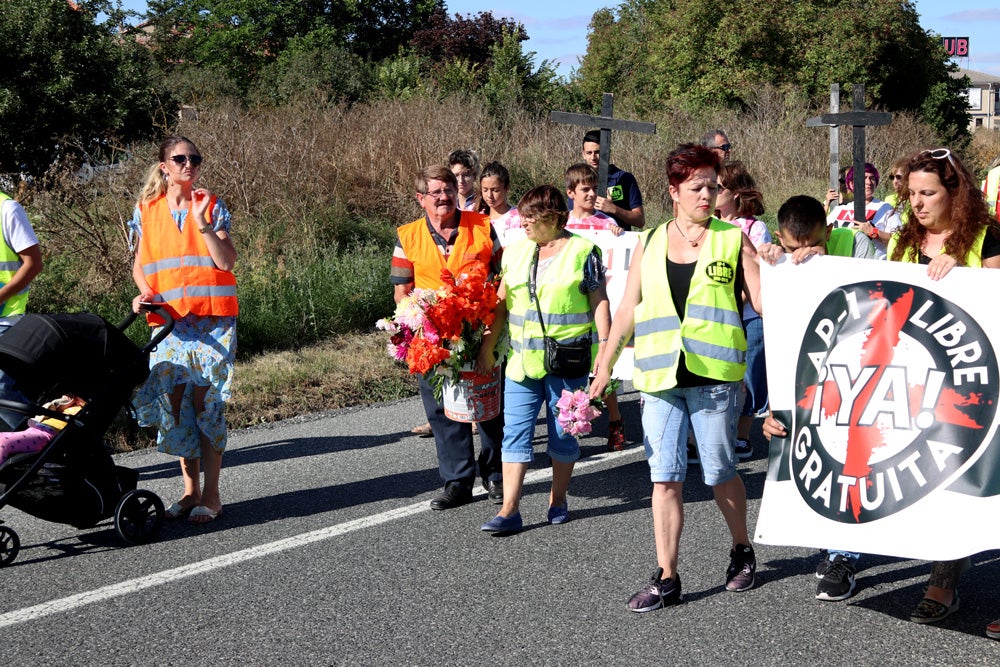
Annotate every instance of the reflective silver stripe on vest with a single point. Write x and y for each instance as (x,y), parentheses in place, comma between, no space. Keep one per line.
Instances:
(559,319)
(666,323)
(198,291)
(515,320)
(177,263)
(718,315)
(10,266)
(531,344)
(647,364)
(712,351)
(211,290)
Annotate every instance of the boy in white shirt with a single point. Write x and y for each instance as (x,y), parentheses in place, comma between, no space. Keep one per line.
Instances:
(581,188)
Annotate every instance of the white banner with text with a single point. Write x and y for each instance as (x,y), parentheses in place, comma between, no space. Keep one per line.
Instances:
(887,385)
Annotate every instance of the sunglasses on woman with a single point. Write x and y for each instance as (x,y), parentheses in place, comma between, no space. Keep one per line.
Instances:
(940,154)
(195,160)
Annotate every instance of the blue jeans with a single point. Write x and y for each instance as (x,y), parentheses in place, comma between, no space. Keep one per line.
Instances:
(522,401)
(10,420)
(755,378)
(852,556)
(711,410)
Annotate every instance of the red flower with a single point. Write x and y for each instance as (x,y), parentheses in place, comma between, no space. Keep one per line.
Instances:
(460,311)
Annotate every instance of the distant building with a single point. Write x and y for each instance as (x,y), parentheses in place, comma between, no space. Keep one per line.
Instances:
(984,99)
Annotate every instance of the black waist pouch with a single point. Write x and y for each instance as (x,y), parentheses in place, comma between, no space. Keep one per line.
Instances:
(567,360)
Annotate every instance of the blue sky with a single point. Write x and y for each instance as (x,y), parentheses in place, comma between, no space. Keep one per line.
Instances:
(558,28)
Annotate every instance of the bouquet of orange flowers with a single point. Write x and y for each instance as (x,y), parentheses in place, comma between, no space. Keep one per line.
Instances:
(439,331)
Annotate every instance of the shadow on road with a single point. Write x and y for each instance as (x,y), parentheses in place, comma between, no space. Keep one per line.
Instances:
(281,450)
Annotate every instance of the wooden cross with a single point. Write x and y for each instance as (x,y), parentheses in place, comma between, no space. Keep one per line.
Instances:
(859,119)
(606,122)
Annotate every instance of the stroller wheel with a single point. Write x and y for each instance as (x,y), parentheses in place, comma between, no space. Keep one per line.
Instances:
(10,544)
(138,516)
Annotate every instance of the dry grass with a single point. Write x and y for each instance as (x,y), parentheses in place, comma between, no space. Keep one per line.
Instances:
(278,164)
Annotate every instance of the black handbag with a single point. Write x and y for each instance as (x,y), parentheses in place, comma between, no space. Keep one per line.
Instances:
(569,359)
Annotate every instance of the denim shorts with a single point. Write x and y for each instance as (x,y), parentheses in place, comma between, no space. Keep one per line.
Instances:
(711,410)
(755,379)
(522,401)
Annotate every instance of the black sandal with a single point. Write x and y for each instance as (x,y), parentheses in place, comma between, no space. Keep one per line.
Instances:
(932,611)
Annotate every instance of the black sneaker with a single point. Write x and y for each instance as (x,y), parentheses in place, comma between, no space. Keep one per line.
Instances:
(742,565)
(494,491)
(744,450)
(657,593)
(823,566)
(838,583)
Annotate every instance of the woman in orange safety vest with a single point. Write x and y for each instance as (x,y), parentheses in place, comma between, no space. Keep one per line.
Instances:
(184,263)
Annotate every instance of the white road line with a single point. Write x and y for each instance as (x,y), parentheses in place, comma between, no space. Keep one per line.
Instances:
(168,576)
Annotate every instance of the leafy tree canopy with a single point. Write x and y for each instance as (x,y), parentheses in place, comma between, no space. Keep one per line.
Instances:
(705,52)
(242,37)
(469,38)
(64,75)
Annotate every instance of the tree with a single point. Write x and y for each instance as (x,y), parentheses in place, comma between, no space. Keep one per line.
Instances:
(381,27)
(703,52)
(243,37)
(470,38)
(65,75)
(513,82)
(615,58)
(317,62)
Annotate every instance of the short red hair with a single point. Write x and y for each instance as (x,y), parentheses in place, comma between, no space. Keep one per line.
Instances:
(689,158)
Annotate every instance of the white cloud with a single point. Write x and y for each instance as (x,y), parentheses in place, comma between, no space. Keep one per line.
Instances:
(974,15)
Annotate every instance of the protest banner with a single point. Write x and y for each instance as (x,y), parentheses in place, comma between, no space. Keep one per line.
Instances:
(887,384)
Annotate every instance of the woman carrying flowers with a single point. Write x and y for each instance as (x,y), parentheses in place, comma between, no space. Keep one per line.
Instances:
(553,286)
(683,301)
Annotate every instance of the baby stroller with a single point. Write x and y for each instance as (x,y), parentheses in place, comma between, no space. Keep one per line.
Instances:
(73,480)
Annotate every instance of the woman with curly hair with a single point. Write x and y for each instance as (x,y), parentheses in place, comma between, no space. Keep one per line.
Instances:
(953,227)
(949,226)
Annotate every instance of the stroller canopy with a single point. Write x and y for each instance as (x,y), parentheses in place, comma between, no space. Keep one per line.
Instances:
(73,353)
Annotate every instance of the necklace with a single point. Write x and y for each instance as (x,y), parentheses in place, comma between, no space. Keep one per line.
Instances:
(693,242)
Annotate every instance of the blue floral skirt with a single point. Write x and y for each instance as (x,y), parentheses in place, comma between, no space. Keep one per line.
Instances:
(199,352)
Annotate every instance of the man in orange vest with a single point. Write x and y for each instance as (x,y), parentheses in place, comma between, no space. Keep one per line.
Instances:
(448,238)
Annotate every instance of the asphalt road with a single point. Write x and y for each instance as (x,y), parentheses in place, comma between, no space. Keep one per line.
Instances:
(328,553)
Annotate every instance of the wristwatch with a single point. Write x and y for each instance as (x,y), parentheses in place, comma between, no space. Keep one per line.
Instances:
(873,234)
(206,229)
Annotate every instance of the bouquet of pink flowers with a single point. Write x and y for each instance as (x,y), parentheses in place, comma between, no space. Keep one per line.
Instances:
(575,410)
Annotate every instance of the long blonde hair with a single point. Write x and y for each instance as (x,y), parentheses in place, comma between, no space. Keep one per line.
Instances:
(156,181)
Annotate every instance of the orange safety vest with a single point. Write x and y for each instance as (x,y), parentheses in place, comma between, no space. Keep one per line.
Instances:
(179,268)
(472,246)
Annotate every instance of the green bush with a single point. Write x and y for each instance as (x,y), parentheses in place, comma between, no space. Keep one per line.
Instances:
(310,296)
